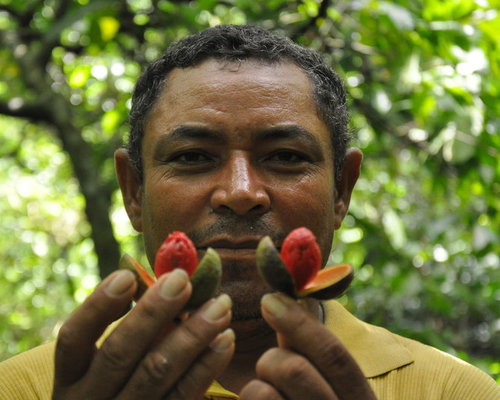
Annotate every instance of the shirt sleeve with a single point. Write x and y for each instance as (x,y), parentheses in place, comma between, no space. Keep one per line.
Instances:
(469,382)
(28,375)
(434,375)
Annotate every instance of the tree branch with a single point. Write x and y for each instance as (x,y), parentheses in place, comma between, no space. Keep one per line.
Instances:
(14,13)
(60,9)
(23,18)
(97,194)
(34,112)
(312,22)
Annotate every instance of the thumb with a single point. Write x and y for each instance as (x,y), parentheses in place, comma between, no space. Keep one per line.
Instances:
(302,333)
(274,308)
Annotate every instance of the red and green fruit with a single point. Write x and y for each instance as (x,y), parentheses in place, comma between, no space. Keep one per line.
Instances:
(297,271)
(178,251)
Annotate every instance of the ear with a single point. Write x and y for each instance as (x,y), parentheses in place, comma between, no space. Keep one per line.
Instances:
(344,187)
(130,186)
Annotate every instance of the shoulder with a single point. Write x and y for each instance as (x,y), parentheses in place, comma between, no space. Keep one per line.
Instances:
(402,368)
(29,374)
(456,378)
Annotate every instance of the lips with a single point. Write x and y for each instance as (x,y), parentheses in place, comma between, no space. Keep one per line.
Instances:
(238,256)
(235,244)
(242,248)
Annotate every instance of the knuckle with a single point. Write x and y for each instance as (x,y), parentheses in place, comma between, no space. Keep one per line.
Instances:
(148,308)
(67,339)
(334,356)
(303,322)
(155,367)
(294,369)
(113,356)
(192,337)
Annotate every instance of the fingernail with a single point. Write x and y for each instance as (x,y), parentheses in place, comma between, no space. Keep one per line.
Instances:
(218,308)
(174,284)
(223,341)
(276,304)
(120,283)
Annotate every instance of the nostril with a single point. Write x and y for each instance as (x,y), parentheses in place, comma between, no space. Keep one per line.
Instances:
(257,208)
(222,209)
(240,209)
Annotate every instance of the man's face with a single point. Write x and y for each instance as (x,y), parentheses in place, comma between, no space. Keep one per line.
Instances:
(233,152)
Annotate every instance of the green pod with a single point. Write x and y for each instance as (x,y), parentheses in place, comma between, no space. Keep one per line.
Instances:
(206,279)
(272,269)
(327,283)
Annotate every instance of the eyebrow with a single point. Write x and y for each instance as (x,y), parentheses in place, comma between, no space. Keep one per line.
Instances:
(184,133)
(273,134)
(291,132)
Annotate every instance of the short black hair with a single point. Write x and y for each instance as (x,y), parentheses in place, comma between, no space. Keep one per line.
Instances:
(239,43)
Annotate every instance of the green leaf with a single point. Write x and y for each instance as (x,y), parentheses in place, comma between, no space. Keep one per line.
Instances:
(109,27)
(111,120)
(79,76)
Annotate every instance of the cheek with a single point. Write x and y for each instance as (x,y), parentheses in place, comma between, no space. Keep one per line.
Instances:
(170,207)
(176,206)
(310,204)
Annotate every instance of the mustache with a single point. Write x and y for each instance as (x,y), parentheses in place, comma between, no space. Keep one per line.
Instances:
(234,226)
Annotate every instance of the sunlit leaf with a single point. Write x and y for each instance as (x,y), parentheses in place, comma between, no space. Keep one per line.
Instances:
(111,120)
(78,78)
(109,27)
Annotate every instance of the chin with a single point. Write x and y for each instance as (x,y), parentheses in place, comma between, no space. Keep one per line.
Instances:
(241,281)
(246,299)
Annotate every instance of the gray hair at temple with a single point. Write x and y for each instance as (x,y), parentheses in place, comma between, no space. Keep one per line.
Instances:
(239,43)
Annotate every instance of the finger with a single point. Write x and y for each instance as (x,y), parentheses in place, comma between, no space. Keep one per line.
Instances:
(326,352)
(293,375)
(196,381)
(161,369)
(123,349)
(259,390)
(76,340)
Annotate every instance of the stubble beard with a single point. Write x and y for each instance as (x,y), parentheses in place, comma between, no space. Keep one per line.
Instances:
(245,292)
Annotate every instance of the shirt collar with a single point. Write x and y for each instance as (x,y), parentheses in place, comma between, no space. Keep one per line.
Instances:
(216,392)
(376,350)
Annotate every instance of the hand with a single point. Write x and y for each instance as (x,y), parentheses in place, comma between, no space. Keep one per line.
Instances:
(148,355)
(310,362)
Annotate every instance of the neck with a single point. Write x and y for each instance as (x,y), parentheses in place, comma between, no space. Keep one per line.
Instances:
(253,338)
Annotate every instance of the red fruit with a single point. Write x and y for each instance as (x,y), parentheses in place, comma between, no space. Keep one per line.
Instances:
(301,255)
(176,251)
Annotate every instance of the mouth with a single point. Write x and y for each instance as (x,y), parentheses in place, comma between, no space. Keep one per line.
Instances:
(233,243)
(231,248)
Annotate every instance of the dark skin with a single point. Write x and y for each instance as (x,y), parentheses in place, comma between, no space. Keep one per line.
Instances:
(231,152)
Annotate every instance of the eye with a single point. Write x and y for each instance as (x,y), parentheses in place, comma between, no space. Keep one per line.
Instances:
(288,157)
(191,158)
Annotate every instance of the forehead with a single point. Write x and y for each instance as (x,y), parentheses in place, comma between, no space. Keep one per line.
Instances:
(211,76)
(237,97)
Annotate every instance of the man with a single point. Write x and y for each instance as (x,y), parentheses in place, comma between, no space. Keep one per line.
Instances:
(236,134)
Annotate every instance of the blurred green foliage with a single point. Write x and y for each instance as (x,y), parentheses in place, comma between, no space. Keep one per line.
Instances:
(424,80)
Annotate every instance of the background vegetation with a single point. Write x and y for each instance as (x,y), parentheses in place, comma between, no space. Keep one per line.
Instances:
(424,80)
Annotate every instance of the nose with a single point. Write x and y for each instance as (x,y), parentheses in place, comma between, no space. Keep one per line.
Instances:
(240,189)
